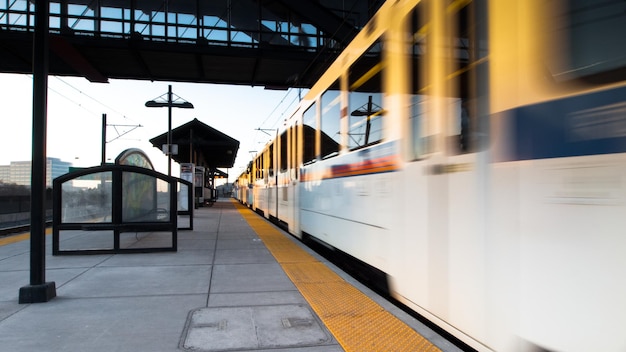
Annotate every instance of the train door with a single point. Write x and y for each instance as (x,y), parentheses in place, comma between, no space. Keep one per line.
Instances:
(283,187)
(464,173)
(446,170)
(409,278)
(272,181)
(249,184)
(287,185)
(259,183)
(294,224)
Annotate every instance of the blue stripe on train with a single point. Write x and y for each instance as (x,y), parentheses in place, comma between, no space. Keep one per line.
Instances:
(583,125)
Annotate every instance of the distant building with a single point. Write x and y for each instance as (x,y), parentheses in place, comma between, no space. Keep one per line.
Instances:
(5,173)
(18,172)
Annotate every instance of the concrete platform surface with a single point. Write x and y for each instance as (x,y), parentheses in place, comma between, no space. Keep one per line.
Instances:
(221,291)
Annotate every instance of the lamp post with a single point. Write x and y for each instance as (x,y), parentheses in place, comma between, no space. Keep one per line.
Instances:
(170,103)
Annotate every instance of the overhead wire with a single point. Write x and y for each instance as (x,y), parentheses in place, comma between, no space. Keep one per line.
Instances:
(120,133)
(95,100)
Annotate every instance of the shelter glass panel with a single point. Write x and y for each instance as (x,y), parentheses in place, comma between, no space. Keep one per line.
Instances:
(87,199)
(79,240)
(144,198)
(134,157)
(183,200)
(152,239)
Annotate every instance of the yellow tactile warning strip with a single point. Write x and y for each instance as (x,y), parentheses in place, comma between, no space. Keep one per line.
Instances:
(17,238)
(357,322)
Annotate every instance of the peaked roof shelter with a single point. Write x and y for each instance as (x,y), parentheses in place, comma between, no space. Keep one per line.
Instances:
(201,144)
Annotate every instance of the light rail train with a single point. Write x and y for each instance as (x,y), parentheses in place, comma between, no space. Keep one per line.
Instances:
(475,153)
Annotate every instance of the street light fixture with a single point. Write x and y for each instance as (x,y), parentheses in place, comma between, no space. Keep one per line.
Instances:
(169,103)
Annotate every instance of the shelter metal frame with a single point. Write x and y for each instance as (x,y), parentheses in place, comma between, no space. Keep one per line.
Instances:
(118,223)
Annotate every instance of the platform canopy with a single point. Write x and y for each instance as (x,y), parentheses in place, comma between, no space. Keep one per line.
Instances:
(200,144)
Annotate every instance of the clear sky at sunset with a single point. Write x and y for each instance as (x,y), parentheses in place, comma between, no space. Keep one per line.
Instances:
(75,108)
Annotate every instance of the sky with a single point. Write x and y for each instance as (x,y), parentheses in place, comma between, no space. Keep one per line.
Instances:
(75,108)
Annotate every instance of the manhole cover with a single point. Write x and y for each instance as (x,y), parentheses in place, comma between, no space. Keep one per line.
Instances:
(227,328)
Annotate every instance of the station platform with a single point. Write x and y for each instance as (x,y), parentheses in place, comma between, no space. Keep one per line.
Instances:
(236,283)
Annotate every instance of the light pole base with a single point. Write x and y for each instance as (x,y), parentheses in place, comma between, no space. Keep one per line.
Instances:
(38,293)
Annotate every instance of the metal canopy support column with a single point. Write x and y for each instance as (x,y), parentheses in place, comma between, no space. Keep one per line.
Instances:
(104,140)
(169,130)
(39,290)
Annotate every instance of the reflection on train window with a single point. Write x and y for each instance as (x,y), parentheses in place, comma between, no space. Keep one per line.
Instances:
(417,117)
(365,99)
(463,82)
(308,135)
(589,41)
(330,121)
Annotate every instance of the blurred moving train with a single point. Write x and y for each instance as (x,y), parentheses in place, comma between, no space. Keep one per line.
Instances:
(474,152)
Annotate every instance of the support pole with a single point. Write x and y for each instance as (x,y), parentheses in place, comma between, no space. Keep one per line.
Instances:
(104,139)
(191,145)
(39,290)
(169,130)
(170,104)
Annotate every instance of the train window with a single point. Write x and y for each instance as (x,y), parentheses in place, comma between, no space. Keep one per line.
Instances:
(293,150)
(259,167)
(461,104)
(365,99)
(308,135)
(259,172)
(283,152)
(462,78)
(588,41)
(249,174)
(330,121)
(417,113)
(270,160)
